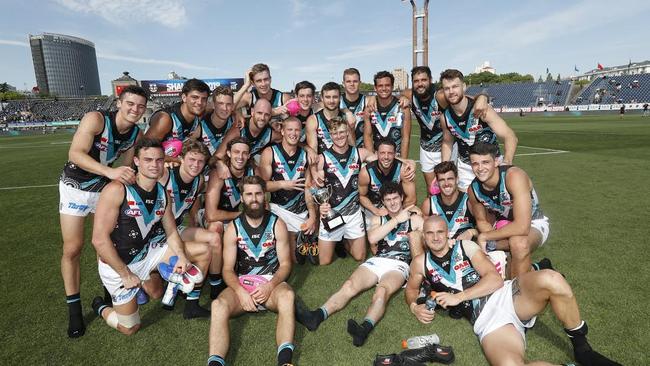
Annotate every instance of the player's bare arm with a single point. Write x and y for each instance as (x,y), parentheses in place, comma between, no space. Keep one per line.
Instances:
(504,133)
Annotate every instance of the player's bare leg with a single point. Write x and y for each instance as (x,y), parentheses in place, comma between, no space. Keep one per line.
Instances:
(214,272)
(72,231)
(521,248)
(281,301)
(325,252)
(226,306)
(387,286)
(357,248)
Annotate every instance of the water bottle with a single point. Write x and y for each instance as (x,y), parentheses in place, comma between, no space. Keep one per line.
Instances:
(420,341)
(169,298)
(430,304)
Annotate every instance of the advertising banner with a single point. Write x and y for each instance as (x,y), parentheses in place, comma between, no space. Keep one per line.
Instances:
(174,87)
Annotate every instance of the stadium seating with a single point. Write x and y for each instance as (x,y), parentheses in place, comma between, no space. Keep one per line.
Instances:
(617,89)
(51,109)
(524,94)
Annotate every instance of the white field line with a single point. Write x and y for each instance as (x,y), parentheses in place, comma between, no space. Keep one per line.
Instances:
(30,146)
(27,187)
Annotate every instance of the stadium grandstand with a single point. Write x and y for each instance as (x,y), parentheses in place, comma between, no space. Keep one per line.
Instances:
(47,110)
(524,94)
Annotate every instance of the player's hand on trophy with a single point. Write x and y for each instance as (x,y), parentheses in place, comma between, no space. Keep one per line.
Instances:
(324,209)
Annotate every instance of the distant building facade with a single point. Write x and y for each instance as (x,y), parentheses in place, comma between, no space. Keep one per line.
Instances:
(64,65)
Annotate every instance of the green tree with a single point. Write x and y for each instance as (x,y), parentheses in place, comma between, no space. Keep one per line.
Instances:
(366,87)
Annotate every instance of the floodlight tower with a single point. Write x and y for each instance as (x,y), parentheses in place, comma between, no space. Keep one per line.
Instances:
(420,42)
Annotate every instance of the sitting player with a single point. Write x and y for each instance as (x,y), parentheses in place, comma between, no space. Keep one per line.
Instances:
(255,244)
(134,230)
(394,239)
(500,312)
(507,192)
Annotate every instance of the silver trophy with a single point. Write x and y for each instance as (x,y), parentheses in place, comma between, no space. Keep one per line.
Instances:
(333,220)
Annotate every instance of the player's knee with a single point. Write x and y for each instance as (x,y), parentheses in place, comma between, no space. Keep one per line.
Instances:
(359,256)
(349,287)
(219,308)
(324,261)
(128,331)
(72,250)
(380,295)
(156,293)
(556,283)
(128,324)
(286,298)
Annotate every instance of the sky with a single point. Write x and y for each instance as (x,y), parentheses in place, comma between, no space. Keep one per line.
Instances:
(316,39)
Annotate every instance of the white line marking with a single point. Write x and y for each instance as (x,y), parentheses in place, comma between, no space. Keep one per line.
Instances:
(26,187)
(61,143)
(543,153)
(541,148)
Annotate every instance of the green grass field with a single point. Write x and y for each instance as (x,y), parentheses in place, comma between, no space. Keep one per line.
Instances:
(595,193)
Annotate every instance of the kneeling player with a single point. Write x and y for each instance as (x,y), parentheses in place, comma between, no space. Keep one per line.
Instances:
(394,239)
(255,244)
(500,312)
(127,219)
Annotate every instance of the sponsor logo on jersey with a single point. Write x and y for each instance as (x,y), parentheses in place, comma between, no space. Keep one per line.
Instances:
(133,212)
(267,244)
(475,128)
(461,265)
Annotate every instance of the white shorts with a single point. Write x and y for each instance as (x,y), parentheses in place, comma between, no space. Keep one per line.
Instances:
(429,159)
(465,175)
(292,220)
(75,202)
(352,229)
(381,266)
(112,281)
(542,226)
(499,311)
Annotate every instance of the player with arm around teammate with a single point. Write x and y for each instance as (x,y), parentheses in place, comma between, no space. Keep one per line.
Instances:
(101,138)
(459,125)
(394,238)
(462,275)
(254,244)
(134,230)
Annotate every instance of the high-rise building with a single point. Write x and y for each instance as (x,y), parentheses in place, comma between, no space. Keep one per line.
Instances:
(65,65)
(401,79)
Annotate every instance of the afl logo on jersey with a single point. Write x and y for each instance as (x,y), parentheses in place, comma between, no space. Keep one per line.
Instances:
(331,168)
(133,212)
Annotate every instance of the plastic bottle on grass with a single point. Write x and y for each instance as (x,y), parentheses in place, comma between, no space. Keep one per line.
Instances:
(420,341)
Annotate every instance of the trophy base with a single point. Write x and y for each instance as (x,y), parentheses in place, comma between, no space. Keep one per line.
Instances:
(333,223)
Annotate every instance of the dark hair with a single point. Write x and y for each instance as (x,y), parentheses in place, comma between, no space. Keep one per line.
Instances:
(351,71)
(451,74)
(420,70)
(236,140)
(330,86)
(222,90)
(384,74)
(386,141)
(483,148)
(444,167)
(135,89)
(251,179)
(389,188)
(194,145)
(146,142)
(304,85)
(195,84)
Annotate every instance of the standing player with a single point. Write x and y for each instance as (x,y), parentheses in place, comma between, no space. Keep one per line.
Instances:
(462,127)
(318,135)
(427,105)
(451,204)
(100,139)
(260,78)
(222,199)
(507,192)
(255,244)
(183,184)
(390,120)
(354,101)
(500,312)
(181,119)
(285,168)
(379,172)
(394,239)
(214,126)
(339,168)
(130,241)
